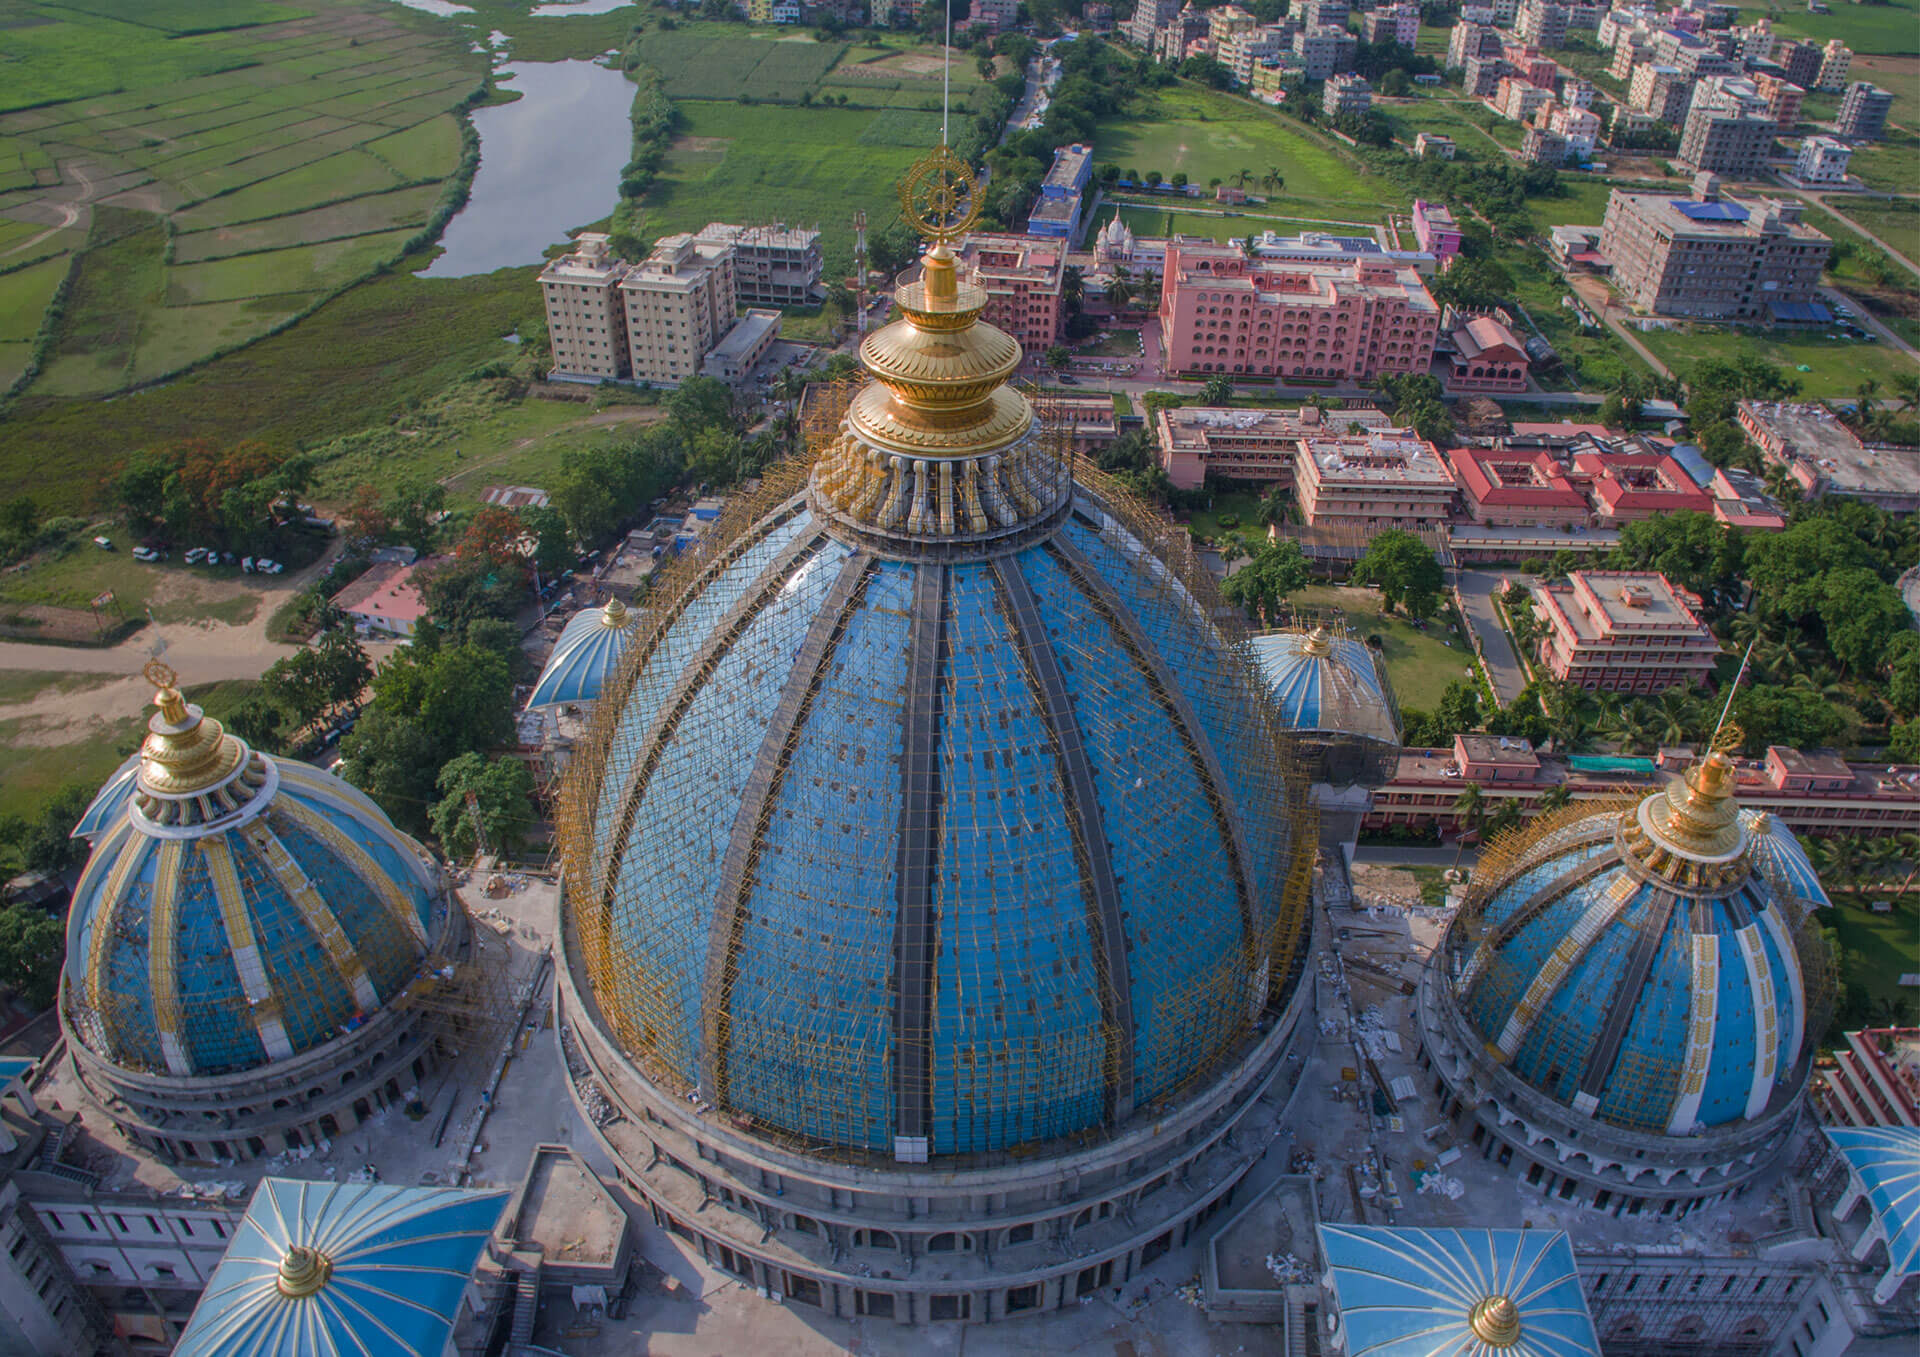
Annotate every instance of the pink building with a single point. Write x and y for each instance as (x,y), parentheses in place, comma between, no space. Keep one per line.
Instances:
(1223,312)
(1629,486)
(1436,230)
(1022,276)
(1622,631)
(1487,356)
(1517,489)
(1537,70)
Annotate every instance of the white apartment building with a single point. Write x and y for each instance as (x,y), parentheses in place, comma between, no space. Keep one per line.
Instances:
(679,302)
(1836,59)
(585,321)
(1822,160)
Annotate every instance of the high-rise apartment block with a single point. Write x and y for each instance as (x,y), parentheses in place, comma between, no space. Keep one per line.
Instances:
(1661,91)
(1222,311)
(1149,17)
(772,265)
(1836,59)
(679,302)
(1471,40)
(1324,50)
(1711,258)
(1480,76)
(1224,21)
(1863,113)
(1323,13)
(1801,63)
(586,321)
(1346,96)
(1728,130)
(1783,99)
(1394,23)
(1822,160)
(1542,23)
(1022,277)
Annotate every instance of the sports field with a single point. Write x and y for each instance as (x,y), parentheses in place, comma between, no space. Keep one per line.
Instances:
(1207,136)
(236,160)
(1836,367)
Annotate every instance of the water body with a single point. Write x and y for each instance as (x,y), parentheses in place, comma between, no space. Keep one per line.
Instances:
(549,161)
(444,8)
(564,7)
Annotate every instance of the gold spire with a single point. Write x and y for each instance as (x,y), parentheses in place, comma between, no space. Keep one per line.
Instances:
(303,1271)
(936,447)
(1319,643)
(1698,814)
(1495,1321)
(613,613)
(185,752)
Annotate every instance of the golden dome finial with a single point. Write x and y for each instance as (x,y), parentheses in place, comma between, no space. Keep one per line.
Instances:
(1495,1321)
(940,197)
(303,1271)
(184,752)
(168,699)
(1319,642)
(613,613)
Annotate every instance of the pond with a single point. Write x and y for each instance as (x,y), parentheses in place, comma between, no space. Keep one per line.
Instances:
(550,161)
(444,8)
(561,8)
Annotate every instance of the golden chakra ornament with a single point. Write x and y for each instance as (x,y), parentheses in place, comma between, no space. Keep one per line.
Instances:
(937,456)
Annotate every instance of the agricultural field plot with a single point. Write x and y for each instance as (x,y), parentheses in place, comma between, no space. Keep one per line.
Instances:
(328,135)
(720,62)
(24,294)
(358,216)
(902,75)
(1208,136)
(1836,367)
(1894,220)
(1892,28)
(812,166)
(76,55)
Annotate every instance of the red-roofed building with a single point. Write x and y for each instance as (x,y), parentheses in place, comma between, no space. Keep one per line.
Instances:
(1515,488)
(1487,356)
(385,600)
(1629,486)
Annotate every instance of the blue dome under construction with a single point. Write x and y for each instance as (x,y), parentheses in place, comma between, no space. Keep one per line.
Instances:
(237,909)
(1653,966)
(935,812)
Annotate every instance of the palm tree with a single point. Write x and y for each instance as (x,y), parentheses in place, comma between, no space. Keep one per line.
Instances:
(1906,387)
(1637,725)
(1470,810)
(1273,506)
(1679,715)
(1910,850)
(1503,819)
(1119,292)
(1881,855)
(1844,859)
(1243,178)
(1556,797)
(1273,180)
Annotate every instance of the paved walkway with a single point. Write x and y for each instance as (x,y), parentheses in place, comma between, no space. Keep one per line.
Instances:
(1476,588)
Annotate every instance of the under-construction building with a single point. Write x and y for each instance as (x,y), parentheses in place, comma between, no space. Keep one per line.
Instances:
(1627,1005)
(257,959)
(936,878)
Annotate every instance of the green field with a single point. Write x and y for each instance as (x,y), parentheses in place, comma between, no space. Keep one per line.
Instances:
(1838,365)
(1596,358)
(1892,166)
(1420,664)
(24,294)
(1896,221)
(1581,202)
(1884,947)
(1891,28)
(1210,136)
(299,123)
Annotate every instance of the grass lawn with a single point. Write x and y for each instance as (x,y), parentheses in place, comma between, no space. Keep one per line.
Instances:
(735,162)
(1241,504)
(1877,949)
(24,294)
(1892,166)
(1837,366)
(1894,220)
(1580,202)
(1184,129)
(1890,28)
(1595,357)
(1419,663)
(23,685)
(1465,120)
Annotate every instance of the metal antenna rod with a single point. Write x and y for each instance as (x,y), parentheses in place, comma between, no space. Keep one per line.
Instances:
(1727,706)
(946,67)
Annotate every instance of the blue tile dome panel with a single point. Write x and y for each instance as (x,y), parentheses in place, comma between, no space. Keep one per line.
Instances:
(769,932)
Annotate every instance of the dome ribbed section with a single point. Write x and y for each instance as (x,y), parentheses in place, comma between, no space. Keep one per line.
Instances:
(237,909)
(591,647)
(932,858)
(1651,965)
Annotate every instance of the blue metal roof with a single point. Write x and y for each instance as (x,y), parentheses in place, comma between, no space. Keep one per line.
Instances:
(806,851)
(108,801)
(1718,1002)
(1405,1292)
(1337,691)
(1887,1158)
(393,1263)
(1716,211)
(14,1067)
(1694,462)
(1775,846)
(1800,313)
(590,648)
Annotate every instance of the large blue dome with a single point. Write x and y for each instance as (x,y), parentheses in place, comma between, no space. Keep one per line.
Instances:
(237,909)
(975,851)
(1653,966)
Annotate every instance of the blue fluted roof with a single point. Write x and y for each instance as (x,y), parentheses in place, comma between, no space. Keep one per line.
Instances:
(590,648)
(393,1264)
(1414,1293)
(1775,846)
(751,824)
(218,927)
(1887,1158)
(1707,969)
(1325,683)
(107,802)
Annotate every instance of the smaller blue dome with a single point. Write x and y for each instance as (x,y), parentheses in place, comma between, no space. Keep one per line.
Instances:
(237,909)
(590,649)
(1326,683)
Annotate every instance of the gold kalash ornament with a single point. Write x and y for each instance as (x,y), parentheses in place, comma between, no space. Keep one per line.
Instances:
(937,453)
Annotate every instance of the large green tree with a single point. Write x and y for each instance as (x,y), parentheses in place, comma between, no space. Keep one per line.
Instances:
(1691,549)
(1276,569)
(1406,572)
(502,790)
(32,946)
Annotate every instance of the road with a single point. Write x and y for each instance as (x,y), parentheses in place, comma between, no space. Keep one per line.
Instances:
(1866,320)
(1838,208)
(1599,300)
(1374,855)
(1491,639)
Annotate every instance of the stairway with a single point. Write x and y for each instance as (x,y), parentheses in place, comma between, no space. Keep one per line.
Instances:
(526,1303)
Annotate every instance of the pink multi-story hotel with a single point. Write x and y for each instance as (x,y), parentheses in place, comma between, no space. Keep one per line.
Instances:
(1622,631)
(1022,276)
(1223,312)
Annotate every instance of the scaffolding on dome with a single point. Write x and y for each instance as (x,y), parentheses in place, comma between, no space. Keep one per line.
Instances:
(822,1091)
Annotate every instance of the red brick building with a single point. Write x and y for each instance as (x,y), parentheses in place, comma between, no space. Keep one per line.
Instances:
(1622,631)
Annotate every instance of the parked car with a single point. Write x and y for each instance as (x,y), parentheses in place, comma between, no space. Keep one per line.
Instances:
(104,543)
(148,554)
(195,555)
(266,567)
(246,564)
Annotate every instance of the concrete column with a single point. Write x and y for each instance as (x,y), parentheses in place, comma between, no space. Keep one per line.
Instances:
(1877,1234)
